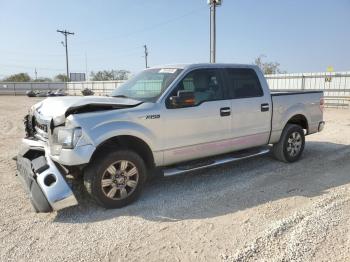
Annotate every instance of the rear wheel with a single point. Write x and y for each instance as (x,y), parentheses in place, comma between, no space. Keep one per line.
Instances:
(115,179)
(291,144)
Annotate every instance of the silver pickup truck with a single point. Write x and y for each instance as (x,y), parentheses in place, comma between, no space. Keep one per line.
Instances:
(166,120)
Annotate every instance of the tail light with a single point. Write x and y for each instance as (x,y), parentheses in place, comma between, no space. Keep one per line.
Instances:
(322,104)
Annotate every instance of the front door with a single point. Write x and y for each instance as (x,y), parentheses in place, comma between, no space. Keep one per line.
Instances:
(202,129)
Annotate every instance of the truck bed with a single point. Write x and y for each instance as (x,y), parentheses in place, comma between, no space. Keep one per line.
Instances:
(287,104)
(288,92)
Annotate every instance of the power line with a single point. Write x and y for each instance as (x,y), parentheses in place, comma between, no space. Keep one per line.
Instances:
(66,33)
(147,28)
(31,67)
(56,55)
(11,52)
(111,56)
(120,52)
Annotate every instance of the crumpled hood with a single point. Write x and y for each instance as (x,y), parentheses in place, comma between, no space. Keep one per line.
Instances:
(58,108)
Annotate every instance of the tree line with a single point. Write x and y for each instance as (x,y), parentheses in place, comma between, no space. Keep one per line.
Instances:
(108,75)
(104,75)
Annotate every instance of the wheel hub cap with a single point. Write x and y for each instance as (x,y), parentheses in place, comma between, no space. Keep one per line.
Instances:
(294,144)
(120,180)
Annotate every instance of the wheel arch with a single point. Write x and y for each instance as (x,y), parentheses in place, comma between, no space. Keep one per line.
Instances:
(299,119)
(130,142)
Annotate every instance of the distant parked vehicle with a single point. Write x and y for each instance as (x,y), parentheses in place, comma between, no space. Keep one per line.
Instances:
(87,92)
(31,93)
(42,94)
(58,92)
(37,93)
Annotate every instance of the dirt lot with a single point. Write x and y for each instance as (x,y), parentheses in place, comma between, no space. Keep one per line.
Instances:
(254,210)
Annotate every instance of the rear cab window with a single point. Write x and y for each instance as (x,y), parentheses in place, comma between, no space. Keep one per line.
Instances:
(243,83)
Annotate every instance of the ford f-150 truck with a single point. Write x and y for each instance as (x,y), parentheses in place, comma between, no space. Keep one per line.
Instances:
(166,120)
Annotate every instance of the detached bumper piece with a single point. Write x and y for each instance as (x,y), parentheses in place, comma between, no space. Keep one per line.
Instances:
(44,183)
(321,126)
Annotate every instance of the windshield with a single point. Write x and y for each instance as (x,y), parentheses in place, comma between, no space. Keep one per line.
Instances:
(147,85)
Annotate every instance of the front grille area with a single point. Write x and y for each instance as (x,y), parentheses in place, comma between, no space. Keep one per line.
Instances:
(40,126)
(28,126)
(35,129)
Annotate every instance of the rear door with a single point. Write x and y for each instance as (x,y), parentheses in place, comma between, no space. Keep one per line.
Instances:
(250,106)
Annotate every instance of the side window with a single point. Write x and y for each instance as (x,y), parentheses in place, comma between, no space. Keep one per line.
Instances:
(206,84)
(243,83)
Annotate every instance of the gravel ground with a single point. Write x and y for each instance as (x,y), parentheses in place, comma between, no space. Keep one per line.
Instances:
(255,210)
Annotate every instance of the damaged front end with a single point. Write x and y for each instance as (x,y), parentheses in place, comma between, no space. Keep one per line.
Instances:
(56,143)
(43,180)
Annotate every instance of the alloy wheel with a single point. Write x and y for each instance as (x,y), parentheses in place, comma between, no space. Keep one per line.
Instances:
(120,180)
(294,144)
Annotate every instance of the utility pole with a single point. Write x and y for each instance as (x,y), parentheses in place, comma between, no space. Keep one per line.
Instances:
(36,74)
(86,68)
(146,55)
(65,44)
(213,4)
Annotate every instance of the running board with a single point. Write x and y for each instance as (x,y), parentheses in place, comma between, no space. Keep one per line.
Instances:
(215,161)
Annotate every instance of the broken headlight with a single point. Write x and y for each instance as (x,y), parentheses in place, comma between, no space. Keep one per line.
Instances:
(64,137)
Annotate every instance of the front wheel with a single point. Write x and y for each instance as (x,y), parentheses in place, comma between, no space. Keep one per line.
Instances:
(115,179)
(291,144)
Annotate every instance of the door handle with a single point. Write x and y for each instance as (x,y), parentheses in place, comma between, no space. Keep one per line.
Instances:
(225,111)
(265,107)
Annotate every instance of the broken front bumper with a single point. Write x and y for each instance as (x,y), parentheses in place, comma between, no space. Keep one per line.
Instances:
(42,179)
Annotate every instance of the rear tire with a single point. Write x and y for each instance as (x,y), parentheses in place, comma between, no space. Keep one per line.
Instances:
(291,145)
(115,179)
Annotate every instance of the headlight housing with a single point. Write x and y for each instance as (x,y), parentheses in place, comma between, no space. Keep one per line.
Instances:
(64,137)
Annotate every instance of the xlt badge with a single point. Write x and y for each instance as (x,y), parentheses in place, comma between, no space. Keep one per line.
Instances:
(152,116)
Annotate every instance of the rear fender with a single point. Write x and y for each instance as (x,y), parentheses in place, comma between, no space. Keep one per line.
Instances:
(280,120)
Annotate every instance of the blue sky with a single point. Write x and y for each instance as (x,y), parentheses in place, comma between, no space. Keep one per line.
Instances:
(302,35)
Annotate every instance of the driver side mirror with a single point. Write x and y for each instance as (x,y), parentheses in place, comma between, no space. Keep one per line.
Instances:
(184,98)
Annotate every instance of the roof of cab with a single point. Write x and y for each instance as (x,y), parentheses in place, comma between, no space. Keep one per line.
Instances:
(205,65)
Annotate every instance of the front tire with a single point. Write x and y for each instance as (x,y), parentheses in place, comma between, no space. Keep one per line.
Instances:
(115,179)
(291,145)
